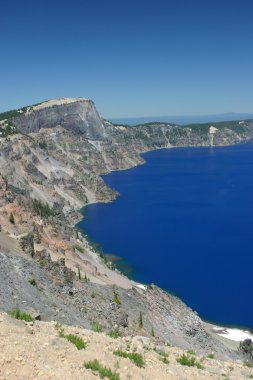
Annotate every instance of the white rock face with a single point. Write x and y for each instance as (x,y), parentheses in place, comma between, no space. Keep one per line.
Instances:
(212,130)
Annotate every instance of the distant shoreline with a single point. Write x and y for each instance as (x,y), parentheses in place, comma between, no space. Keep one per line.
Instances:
(183,120)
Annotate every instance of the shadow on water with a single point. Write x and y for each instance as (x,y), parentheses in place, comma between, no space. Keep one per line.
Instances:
(120,264)
(117,261)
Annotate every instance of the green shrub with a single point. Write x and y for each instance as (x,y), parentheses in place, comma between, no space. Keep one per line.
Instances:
(42,144)
(114,334)
(97,327)
(8,130)
(33,282)
(248,364)
(58,326)
(164,360)
(189,361)
(116,297)
(163,355)
(191,352)
(42,209)
(79,248)
(76,340)
(94,365)
(18,314)
(12,113)
(134,357)
(210,356)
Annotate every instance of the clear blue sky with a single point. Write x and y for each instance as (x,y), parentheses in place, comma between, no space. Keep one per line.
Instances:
(133,58)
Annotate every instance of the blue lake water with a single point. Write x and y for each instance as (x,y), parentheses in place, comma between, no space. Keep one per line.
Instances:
(184,221)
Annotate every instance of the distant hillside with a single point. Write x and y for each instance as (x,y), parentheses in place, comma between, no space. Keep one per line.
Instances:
(184,119)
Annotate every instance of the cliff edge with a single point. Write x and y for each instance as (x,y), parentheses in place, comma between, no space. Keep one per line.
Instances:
(52,156)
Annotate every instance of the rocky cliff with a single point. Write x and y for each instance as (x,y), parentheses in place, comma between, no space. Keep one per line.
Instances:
(64,145)
(51,159)
(76,115)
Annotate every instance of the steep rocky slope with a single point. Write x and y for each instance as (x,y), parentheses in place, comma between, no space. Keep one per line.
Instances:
(58,295)
(64,145)
(51,158)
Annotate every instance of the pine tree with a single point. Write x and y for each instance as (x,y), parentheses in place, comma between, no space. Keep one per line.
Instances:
(140,320)
(79,274)
(12,220)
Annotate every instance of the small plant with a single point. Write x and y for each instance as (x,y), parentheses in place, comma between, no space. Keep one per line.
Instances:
(134,357)
(116,297)
(76,340)
(211,356)
(33,282)
(58,326)
(163,355)
(97,327)
(165,360)
(94,365)
(152,332)
(140,320)
(189,361)
(114,334)
(248,364)
(42,144)
(11,219)
(251,376)
(93,295)
(60,329)
(191,352)
(18,314)
(79,248)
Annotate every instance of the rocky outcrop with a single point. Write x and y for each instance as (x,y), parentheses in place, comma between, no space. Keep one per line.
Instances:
(27,244)
(79,116)
(246,347)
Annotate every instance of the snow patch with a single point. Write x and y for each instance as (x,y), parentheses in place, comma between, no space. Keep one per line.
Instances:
(236,335)
(141,286)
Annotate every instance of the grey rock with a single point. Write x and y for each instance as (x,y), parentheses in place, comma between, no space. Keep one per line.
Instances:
(79,117)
